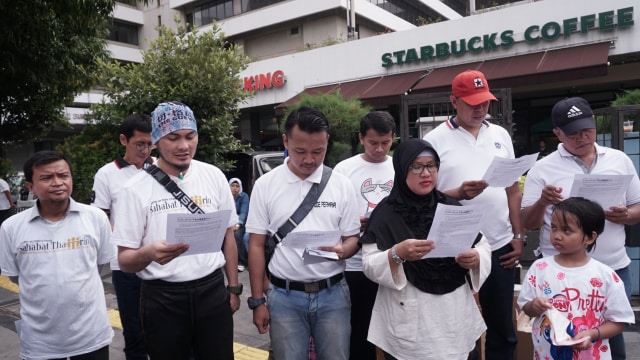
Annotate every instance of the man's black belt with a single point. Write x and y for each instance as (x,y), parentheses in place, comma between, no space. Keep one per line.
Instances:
(306,287)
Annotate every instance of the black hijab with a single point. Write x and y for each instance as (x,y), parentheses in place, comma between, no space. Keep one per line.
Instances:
(405,215)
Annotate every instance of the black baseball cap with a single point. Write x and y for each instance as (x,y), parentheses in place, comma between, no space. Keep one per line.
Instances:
(572,115)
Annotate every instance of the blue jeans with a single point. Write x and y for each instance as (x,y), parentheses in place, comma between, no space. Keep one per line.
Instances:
(616,343)
(127,287)
(242,249)
(496,300)
(296,315)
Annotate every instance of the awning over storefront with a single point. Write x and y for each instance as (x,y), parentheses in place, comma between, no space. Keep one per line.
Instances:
(545,66)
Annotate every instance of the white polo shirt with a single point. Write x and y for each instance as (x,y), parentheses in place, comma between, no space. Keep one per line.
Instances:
(558,169)
(278,193)
(371,182)
(107,184)
(462,158)
(141,218)
(62,303)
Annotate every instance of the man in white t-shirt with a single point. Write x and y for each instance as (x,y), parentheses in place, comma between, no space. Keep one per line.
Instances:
(549,182)
(6,202)
(307,295)
(467,144)
(371,174)
(185,308)
(135,136)
(53,252)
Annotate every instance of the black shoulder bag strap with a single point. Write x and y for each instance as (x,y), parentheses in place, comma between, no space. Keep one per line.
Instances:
(173,189)
(307,204)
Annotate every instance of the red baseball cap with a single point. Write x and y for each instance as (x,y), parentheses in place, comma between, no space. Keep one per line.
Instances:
(472,87)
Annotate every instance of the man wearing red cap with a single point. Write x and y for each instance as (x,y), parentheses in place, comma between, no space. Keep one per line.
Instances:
(467,144)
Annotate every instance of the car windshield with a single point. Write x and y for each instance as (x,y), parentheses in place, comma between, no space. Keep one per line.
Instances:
(269,163)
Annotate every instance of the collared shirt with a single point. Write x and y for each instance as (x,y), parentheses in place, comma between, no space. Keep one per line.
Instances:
(107,184)
(558,169)
(277,194)
(466,157)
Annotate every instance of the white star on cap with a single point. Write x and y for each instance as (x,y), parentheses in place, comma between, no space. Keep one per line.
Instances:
(478,82)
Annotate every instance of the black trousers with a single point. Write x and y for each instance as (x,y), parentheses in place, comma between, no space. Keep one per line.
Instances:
(127,287)
(100,354)
(243,255)
(187,318)
(363,295)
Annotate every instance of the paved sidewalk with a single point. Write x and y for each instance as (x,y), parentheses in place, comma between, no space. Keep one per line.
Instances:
(249,345)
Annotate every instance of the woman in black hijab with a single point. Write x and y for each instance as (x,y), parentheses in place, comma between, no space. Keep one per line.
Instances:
(424,308)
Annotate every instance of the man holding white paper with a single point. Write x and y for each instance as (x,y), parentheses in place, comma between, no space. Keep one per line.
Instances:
(504,172)
(303,298)
(467,144)
(551,180)
(186,310)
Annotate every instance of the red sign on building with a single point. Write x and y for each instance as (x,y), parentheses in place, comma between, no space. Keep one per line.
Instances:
(264,81)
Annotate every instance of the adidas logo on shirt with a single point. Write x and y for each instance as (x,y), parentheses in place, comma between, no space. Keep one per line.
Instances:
(573,112)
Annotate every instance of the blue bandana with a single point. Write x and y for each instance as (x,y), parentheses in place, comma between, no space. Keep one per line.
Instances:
(169,117)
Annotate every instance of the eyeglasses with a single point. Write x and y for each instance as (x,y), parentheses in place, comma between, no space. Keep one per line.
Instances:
(143,146)
(417,169)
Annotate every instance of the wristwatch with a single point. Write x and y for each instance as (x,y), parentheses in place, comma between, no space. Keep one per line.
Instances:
(237,289)
(254,303)
(522,237)
(394,256)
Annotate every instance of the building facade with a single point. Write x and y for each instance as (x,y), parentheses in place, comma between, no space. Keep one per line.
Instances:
(401,56)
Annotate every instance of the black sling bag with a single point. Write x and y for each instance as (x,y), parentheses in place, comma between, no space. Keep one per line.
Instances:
(301,212)
(173,189)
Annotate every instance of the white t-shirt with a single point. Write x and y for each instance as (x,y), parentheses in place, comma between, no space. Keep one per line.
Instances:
(4,203)
(372,182)
(278,193)
(558,169)
(588,295)
(62,303)
(462,158)
(107,184)
(141,218)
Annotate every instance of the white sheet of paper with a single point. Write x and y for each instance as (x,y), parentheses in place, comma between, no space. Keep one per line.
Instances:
(311,239)
(503,172)
(454,229)
(306,244)
(559,325)
(203,232)
(320,253)
(606,190)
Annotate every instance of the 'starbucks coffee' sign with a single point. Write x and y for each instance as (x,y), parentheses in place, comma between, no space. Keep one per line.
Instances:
(604,21)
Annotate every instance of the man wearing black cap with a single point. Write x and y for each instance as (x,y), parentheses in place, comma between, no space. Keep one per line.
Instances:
(550,180)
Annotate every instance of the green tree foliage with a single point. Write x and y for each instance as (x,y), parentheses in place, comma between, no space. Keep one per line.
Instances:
(198,69)
(48,51)
(630,97)
(96,145)
(344,122)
